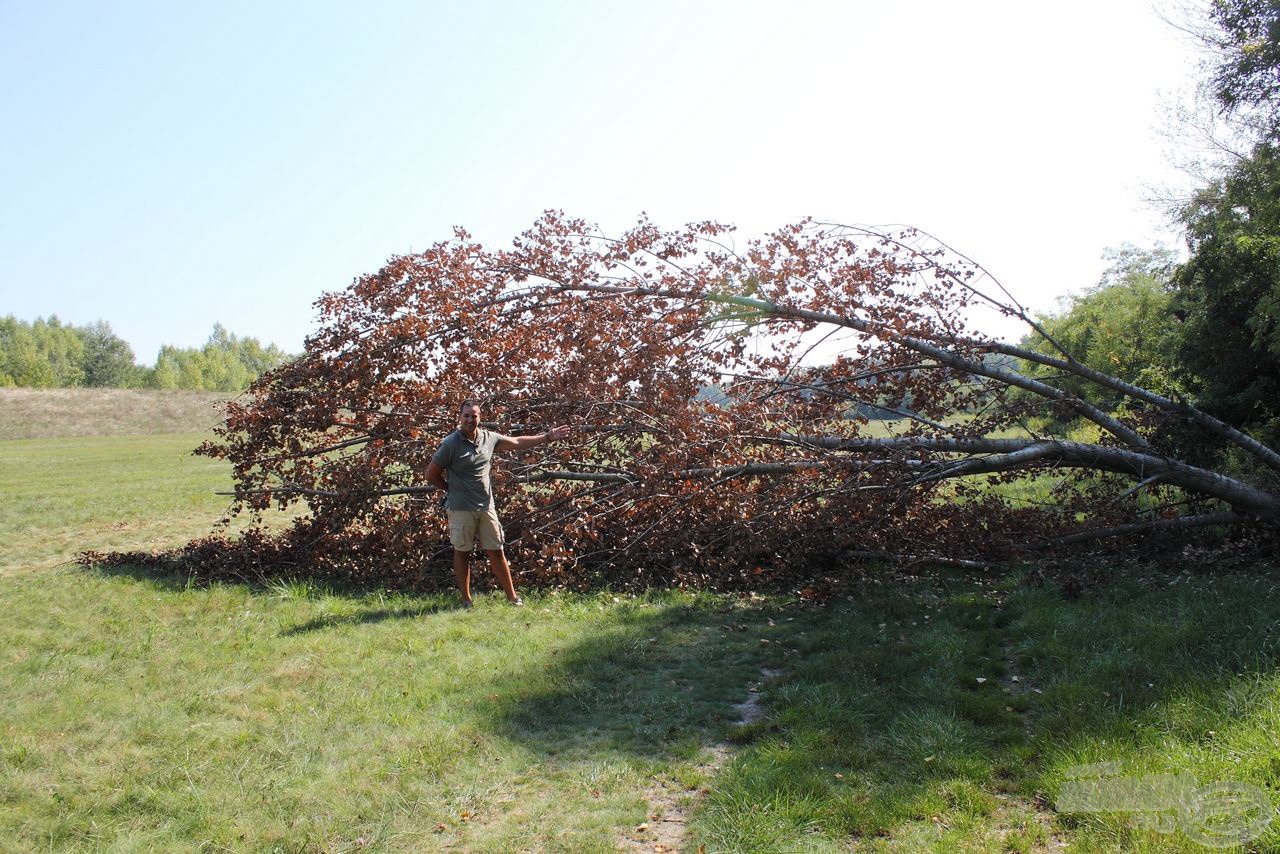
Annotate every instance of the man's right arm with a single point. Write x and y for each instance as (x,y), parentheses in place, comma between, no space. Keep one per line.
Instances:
(435,476)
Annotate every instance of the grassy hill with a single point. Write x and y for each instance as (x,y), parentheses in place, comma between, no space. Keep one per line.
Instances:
(27,413)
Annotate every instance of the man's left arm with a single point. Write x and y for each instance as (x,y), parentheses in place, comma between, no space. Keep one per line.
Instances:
(519,443)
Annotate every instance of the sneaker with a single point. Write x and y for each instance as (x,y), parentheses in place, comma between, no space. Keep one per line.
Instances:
(466,604)
(518,602)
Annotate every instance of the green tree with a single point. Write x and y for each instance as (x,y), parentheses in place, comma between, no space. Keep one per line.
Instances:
(1244,38)
(108,358)
(63,348)
(1123,326)
(41,354)
(20,361)
(225,363)
(1228,292)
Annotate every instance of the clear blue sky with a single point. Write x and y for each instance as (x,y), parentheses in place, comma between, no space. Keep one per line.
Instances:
(167,165)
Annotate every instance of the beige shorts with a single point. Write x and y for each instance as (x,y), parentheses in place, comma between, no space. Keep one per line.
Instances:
(464,525)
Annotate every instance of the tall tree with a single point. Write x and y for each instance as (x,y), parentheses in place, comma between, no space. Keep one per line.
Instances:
(108,358)
(226,362)
(1228,292)
(1243,37)
(41,354)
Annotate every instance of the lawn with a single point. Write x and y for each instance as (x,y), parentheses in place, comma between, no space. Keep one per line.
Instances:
(928,711)
(141,713)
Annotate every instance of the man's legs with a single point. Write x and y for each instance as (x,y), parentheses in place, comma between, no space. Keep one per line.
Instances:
(462,572)
(502,572)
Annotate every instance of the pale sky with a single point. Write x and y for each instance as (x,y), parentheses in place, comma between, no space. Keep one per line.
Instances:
(167,165)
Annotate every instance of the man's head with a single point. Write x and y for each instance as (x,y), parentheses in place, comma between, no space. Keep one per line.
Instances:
(469,417)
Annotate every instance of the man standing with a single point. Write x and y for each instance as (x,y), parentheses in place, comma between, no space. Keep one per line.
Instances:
(466,457)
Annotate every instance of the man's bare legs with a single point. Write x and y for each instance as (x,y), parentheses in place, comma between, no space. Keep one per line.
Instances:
(502,572)
(497,563)
(462,572)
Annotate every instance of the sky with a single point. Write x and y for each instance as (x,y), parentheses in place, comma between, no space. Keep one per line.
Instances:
(165,166)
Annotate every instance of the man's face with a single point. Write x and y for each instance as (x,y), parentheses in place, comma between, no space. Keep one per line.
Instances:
(470,418)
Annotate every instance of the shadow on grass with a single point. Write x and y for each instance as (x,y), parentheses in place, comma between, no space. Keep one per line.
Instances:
(897,714)
(161,575)
(659,680)
(370,617)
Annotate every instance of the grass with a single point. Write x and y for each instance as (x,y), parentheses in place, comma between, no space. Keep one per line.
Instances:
(138,712)
(899,725)
(144,714)
(63,496)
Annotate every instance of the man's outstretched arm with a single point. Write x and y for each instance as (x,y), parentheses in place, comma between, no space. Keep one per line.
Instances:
(519,443)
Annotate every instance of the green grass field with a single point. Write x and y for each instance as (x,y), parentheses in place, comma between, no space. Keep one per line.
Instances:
(63,496)
(931,712)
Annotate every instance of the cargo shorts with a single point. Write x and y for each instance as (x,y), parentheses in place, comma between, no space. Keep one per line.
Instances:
(466,525)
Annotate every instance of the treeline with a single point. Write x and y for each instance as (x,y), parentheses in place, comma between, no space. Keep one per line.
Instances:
(52,354)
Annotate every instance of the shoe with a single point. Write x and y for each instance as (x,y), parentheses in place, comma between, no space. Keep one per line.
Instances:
(466,604)
(518,602)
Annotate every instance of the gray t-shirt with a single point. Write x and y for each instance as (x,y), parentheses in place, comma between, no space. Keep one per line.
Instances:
(468,464)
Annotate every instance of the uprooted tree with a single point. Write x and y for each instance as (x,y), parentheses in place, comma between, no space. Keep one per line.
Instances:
(739,412)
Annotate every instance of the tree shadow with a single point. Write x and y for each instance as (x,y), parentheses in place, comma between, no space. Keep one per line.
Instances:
(660,681)
(161,574)
(898,704)
(169,576)
(370,617)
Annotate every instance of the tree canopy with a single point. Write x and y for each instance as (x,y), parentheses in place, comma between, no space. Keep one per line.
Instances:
(1244,75)
(1228,292)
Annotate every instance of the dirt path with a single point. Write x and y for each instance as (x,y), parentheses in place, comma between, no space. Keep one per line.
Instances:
(670,805)
(1016,685)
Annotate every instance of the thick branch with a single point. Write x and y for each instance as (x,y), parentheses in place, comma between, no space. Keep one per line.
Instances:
(1010,454)
(1186,410)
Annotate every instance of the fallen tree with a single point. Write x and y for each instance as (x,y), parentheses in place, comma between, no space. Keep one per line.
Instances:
(720,397)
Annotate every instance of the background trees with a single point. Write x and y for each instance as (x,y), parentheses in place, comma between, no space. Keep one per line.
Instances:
(108,358)
(1228,292)
(1243,38)
(1123,326)
(43,354)
(51,354)
(225,363)
(1208,328)
(1226,297)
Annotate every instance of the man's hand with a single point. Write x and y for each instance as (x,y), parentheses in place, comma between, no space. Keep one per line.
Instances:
(558,432)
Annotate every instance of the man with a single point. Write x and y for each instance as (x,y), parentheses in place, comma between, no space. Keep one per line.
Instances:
(466,457)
